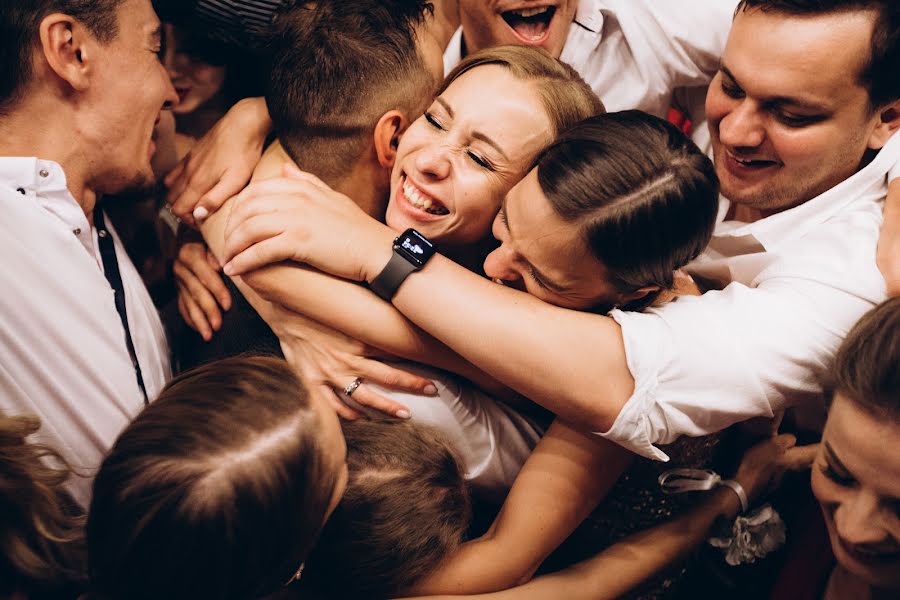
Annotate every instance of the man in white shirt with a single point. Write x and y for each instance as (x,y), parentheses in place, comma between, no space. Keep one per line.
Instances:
(633,53)
(81,345)
(801,114)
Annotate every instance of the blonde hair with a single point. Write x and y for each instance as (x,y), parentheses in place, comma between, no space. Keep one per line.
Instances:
(41,526)
(565,95)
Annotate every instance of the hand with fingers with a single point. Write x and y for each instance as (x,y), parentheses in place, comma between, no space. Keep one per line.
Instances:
(297,217)
(765,464)
(220,164)
(323,356)
(202,295)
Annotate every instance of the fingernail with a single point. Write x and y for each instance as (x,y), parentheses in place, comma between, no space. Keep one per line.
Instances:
(200,213)
(402,414)
(228,269)
(430,389)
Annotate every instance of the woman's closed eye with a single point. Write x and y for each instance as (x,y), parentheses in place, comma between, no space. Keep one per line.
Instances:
(838,478)
(434,121)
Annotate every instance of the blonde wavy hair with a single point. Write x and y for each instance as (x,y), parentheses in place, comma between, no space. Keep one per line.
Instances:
(41,526)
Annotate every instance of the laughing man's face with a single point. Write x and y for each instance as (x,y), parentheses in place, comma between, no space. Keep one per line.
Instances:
(543,23)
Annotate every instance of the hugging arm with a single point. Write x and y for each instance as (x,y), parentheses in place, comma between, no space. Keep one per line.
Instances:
(635,559)
(563,480)
(889,242)
(345,307)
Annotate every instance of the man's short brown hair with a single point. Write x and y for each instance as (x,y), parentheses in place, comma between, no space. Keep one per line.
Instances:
(337,67)
(19,24)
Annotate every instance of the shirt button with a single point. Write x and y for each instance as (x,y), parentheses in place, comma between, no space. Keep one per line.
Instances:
(44,173)
(77,231)
(102,233)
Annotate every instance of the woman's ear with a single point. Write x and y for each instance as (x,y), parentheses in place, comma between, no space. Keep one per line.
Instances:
(67,47)
(888,123)
(631,297)
(388,130)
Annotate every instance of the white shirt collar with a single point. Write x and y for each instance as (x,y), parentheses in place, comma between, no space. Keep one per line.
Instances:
(795,222)
(45,182)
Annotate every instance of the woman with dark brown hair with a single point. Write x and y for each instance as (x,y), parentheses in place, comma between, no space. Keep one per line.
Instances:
(41,527)
(218,489)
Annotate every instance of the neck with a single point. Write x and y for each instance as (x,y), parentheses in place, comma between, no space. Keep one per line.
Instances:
(365,184)
(46,130)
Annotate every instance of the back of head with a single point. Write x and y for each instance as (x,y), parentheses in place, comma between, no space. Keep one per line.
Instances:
(565,95)
(406,507)
(643,194)
(19,36)
(867,366)
(41,535)
(337,67)
(217,490)
(881,76)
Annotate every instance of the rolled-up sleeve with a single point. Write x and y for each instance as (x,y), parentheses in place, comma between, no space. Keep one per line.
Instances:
(702,363)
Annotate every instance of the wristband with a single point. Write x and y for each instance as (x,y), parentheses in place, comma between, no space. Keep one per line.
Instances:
(676,481)
(411,251)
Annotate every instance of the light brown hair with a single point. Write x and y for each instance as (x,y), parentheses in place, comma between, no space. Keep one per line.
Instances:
(867,366)
(564,94)
(41,526)
(406,507)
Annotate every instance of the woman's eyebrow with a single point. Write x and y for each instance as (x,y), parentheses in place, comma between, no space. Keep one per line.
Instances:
(832,456)
(475,135)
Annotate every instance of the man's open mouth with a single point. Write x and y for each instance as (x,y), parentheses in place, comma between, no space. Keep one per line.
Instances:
(530,24)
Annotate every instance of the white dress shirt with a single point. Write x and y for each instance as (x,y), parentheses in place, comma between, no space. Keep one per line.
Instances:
(635,53)
(787,289)
(492,441)
(63,355)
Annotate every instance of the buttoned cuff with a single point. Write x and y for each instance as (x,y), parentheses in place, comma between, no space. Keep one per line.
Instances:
(633,429)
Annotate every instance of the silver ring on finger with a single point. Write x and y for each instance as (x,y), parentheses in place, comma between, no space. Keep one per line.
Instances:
(348,391)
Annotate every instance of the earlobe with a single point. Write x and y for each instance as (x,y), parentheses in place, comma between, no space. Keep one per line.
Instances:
(388,131)
(64,46)
(888,123)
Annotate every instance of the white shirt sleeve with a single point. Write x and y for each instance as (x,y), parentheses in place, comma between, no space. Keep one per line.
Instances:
(703,363)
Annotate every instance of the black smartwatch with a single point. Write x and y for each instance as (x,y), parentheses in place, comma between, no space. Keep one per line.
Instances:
(411,251)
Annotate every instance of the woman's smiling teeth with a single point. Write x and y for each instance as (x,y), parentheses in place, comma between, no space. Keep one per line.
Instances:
(422,201)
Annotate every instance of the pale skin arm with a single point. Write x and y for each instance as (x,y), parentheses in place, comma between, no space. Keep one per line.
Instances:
(563,480)
(638,557)
(571,363)
(344,306)
(889,242)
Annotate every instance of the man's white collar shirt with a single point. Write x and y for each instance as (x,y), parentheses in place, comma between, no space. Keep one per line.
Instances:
(785,292)
(635,53)
(63,355)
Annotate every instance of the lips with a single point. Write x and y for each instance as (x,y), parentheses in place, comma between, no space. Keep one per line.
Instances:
(871,557)
(182,93)
(747,167)
(530,25)
(417,203)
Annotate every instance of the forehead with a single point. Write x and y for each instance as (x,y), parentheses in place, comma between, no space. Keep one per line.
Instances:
(491,100)
(137,16)
(815,58)
(866,445)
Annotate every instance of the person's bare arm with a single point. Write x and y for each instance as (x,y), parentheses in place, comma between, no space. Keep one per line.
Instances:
(639,557)
(563,480)
(571,363)
(219,165)
(345,307)
(889,242)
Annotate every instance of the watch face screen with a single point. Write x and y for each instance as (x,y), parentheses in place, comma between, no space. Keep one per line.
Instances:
(415,246)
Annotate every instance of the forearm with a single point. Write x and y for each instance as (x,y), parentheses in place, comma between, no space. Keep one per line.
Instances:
(569,362)
(563,480)
(628,563)
(344,306)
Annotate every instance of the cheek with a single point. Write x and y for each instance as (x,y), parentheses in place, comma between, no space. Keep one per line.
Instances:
(827,493)
(718,105)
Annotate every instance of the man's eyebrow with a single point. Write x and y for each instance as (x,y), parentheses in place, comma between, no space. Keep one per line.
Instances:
(832,455)
(477,134)
(549,283)
(778,100)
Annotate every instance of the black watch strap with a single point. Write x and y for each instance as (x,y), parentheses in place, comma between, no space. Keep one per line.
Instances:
(390,278)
